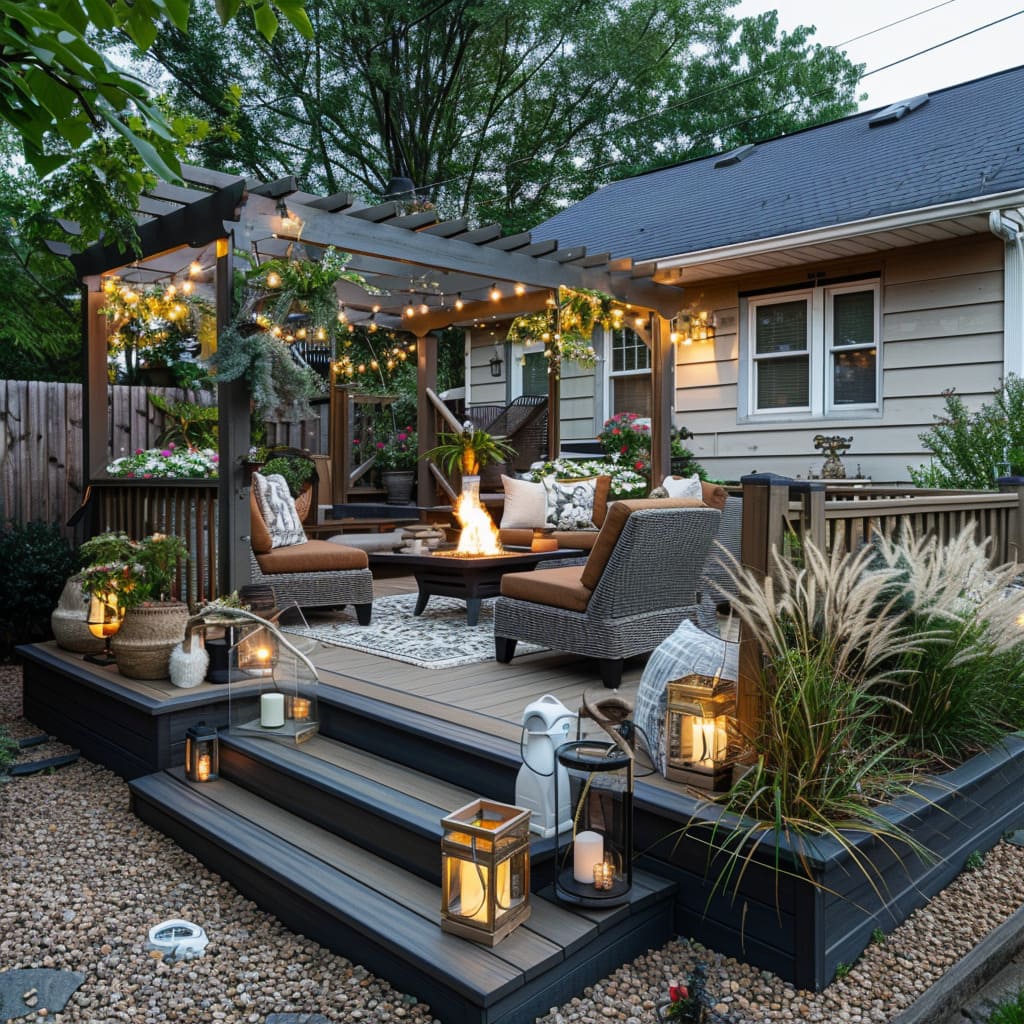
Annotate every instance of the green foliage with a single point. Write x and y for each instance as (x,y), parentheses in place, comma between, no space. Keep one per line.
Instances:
(399,451)
(8,751)
(975,861)
(454,449)
(842,970)
(1009,1011)
(517,109)
(972,449)
(136,570)
(35,560)
(626,482)
(297,471)
(186,423)
(878,937)
(278,385)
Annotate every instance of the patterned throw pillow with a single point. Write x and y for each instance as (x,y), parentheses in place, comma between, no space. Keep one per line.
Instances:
(278,510)
(570,503)
(688,651)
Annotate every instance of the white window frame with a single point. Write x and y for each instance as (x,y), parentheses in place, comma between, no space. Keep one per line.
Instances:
(611,375)
(820,351)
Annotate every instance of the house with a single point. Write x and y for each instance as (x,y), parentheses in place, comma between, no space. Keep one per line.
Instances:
(849,274)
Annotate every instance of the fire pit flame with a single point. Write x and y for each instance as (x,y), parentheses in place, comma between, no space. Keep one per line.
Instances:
(479,537)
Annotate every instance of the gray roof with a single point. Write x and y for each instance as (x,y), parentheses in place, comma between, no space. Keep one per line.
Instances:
(966,141)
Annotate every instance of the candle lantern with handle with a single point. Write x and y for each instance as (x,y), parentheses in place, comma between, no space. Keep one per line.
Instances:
(202,753)
(272,685)
(485,871)
(104,620)
(696,731)
(594,861)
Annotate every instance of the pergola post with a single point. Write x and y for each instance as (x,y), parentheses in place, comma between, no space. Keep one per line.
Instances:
(662,386)
(426,377)
(233,568)
(554,414)
(95,419)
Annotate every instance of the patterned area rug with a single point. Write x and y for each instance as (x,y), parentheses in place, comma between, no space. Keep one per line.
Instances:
(439,638)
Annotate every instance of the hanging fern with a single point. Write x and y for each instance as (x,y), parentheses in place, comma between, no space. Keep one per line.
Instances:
(279,387)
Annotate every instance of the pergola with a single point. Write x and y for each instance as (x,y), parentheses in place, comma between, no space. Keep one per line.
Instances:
(411,259)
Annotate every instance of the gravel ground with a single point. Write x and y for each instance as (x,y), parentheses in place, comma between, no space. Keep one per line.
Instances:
(83,880)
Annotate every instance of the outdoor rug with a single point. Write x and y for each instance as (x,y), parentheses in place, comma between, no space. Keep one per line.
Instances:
(439,638)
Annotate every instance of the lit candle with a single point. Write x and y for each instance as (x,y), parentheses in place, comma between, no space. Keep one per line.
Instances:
(587,850)
(272,710)
(203,767)
(473,883)
(703,738)
(300,708)
(604,875)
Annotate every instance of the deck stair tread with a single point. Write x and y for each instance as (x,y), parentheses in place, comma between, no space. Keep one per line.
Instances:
(378,906)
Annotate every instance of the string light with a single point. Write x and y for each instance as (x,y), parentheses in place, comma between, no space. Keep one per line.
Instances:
(424,308)
(495,292)
(187,287)
(458,301)
(409,311)
(273,279)
(195,268)
(520,288)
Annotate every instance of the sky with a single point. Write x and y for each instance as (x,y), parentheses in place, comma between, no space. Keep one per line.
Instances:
(979,54)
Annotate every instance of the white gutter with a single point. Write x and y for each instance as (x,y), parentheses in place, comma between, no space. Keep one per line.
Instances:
(833,232)
(1007,226)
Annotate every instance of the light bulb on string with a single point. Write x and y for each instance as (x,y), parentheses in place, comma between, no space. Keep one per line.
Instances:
(273,279)
(342,315)
(187,287)
(409,311)
(195,268)
(520,288)
(424,308)
(495,292)
(458,301)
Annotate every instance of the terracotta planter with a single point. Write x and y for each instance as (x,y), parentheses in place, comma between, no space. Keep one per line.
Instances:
(143,644)
(69,620)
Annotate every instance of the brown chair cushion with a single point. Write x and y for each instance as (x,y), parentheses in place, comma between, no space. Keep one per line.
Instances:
(519,538)
(313,556)
(618,513)
(259,534)
(557,588)
(714,495)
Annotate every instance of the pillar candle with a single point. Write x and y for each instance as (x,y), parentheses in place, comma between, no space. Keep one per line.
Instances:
(587,850)
(203,767)
(272,710)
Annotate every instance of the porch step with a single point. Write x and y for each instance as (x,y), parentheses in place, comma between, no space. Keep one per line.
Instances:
(388,809)
(386,918)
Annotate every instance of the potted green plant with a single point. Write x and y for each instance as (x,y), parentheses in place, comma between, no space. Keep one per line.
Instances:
(138,577)
(397,459)
(298,472)
(468,450)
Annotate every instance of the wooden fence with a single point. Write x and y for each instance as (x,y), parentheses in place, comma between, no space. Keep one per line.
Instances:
(41,442)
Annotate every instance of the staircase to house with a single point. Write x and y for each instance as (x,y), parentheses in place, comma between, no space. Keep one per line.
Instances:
(340,839)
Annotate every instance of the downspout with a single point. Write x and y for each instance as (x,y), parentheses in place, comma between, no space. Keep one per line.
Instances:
(1012,233)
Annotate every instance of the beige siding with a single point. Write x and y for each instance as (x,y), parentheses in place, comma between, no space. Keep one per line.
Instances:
(942,323)
(483,388)
(577,406)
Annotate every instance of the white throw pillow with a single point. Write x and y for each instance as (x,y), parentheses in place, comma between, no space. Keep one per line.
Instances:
(683,486)
(525,504)
(277,506)
(570,503)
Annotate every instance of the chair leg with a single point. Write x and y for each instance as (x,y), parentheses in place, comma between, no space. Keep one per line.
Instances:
(504,648)
(363,613)
(611,672)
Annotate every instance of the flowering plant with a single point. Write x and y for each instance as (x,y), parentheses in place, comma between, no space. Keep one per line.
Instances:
(686,1002)
(134,570)
(626,482)
(165,463)
(400,451)
(626,437)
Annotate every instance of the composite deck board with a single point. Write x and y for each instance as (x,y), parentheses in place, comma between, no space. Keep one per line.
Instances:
(526,951)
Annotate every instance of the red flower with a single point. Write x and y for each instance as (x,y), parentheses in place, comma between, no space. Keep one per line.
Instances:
(638,465)
(616,431)
(677,992)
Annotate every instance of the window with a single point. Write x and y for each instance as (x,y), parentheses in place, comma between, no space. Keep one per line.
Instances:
(813,351)
(535,373)
(630,376)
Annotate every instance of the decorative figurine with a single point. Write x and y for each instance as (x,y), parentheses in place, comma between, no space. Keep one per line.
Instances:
(833,446)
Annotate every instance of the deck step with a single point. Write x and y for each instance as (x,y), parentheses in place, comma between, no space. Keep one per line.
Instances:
(386,808)
(386,918)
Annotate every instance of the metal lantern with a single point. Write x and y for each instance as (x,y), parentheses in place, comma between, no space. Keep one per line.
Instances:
(696,731)
(485,871)
(594,861)
(202,753)
(272,685)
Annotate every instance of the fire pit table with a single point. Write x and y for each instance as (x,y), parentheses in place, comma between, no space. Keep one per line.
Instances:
(471,578)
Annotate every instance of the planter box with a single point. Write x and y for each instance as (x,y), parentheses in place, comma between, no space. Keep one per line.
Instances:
(776,920)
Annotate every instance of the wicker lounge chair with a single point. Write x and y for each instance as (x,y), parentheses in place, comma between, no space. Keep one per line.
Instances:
(316,574)
(641,580)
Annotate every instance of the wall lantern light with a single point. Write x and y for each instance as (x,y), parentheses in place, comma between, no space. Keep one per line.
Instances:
(202,753)
(496,363)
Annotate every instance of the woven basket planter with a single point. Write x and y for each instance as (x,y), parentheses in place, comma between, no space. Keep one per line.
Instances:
(70,620)
(304,503)
(143,644)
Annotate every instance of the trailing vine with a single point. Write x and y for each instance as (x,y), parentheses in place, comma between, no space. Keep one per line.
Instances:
(567,326)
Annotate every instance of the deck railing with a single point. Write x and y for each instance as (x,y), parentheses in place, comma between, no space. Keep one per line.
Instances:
(185,508)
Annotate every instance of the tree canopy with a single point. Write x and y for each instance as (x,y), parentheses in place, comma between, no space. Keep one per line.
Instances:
(501,110)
